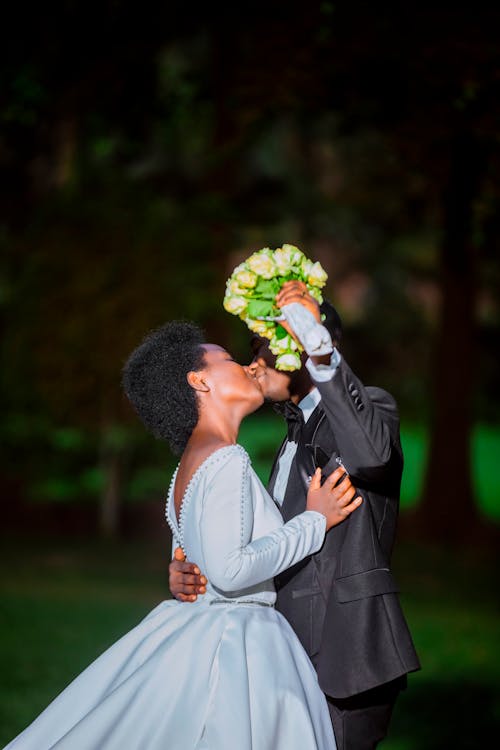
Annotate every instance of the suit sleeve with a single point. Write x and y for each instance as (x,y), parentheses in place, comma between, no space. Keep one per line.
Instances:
(365,422)
(232,561)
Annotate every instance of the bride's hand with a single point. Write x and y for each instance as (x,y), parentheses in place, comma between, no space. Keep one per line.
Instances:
(336,503)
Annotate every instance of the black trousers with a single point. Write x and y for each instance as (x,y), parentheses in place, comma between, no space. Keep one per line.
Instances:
(361,721)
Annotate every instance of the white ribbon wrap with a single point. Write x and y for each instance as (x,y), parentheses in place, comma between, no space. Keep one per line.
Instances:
(313,336)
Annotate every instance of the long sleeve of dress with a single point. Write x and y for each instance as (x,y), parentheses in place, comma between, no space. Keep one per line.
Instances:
(234,558)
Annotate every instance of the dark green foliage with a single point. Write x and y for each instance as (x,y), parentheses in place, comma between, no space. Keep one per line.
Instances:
(148,154)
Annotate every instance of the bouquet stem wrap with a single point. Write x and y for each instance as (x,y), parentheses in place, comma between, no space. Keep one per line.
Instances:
(314,337)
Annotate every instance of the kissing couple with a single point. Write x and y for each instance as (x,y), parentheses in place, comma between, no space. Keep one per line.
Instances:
(285,631)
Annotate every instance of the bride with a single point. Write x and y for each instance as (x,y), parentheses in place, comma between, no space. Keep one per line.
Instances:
(227,671)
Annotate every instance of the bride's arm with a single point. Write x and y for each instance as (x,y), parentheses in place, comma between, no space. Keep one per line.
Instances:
(232,561)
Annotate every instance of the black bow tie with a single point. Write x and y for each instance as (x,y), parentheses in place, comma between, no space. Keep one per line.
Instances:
(294,418)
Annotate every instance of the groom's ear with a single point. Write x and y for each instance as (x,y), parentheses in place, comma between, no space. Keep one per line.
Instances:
(196,381)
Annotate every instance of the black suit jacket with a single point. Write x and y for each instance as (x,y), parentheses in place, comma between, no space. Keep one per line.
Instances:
(343,601)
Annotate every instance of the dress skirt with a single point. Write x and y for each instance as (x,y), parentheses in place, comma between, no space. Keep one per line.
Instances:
(201,676)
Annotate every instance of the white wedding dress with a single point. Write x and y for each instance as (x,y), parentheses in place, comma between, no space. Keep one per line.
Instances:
(224,673)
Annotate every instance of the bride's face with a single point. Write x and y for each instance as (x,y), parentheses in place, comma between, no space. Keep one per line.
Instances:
(230,382)
(275,385)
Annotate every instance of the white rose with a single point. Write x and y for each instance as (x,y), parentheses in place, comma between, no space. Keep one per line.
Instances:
(289,361)
(280,346)
(296,255)
(233,289)
(235,305)
(317,275)
(245,279)
(260,327)
(305,267)
(262,263)
(283,259)
(285,344)
(241,267)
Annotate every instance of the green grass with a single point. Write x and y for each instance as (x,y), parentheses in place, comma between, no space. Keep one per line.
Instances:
(64,602)
(451,602)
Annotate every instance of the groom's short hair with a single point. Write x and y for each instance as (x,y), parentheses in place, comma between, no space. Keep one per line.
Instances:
(332,321)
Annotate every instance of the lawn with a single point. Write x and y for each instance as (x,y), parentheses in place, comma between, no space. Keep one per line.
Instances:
(65,601)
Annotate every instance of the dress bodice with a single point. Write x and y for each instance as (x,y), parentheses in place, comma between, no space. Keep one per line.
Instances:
(231,528)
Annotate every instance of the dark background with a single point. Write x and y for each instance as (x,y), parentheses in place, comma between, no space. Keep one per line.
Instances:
(146,150)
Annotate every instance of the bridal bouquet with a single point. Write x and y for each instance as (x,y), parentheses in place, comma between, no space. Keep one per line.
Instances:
(251,292)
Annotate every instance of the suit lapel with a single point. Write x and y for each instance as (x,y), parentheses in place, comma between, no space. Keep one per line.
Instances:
(302,468)
(309,456)
(274,469)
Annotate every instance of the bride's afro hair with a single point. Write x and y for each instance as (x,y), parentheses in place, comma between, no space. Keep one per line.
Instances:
(154,379)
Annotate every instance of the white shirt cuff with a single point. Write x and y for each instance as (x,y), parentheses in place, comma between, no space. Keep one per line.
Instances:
(324,373)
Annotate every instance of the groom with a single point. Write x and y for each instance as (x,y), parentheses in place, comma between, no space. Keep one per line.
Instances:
(342,602)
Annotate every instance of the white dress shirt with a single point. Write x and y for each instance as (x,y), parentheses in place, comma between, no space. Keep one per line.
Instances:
(321,374)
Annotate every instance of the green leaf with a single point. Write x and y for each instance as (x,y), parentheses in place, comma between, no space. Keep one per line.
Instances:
(280,332)
(267,288)
(259,307)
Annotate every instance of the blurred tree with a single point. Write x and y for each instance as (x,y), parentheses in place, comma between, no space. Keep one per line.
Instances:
(149,150)
(99,239)
(428,79)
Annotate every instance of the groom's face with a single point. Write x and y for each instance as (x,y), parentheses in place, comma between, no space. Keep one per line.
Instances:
(275,384)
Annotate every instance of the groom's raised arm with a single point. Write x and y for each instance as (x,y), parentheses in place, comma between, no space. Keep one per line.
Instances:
(365,422)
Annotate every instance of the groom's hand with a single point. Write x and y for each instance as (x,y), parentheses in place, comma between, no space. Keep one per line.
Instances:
(184,578)
(296,291)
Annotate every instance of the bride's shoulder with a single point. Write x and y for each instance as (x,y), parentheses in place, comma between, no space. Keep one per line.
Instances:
(227,458)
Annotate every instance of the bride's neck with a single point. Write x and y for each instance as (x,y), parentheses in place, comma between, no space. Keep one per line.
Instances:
(216,429)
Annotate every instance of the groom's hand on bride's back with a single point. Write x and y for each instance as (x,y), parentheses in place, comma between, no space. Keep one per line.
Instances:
(184,578)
